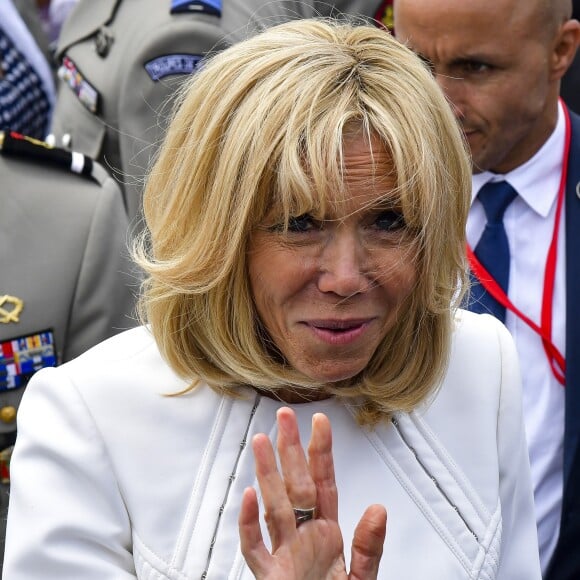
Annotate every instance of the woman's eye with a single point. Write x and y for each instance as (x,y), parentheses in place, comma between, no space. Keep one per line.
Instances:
(390,220)
(302,223)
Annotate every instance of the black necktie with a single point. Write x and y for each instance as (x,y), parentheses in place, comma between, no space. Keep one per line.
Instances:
(493,250)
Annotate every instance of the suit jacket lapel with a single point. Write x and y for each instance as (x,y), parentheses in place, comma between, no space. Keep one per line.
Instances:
(565,563)
(572,431)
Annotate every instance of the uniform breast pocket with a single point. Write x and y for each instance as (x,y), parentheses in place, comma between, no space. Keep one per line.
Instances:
(75,127)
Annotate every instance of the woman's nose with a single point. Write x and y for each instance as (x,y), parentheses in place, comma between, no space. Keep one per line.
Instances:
(342,269)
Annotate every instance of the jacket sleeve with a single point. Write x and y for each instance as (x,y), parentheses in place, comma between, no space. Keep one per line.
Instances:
(104,297)
(516,561)
(66,518)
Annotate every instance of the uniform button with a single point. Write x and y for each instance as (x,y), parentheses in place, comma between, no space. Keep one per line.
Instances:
(8,414)
(66,140)
(50,140)
(103,41)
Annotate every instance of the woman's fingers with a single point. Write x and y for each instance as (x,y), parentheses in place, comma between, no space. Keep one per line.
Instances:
(300,486)
(309,483)
(315,550)
(278,509)
(251,541)
(322,467)
(368,542)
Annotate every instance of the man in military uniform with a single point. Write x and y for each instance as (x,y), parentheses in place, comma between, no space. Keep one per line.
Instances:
(65,269)
(66,281)
(123,60)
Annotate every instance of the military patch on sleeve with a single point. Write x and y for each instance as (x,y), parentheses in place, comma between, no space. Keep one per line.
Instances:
(213,7)
(86,93)
(22,356)
(172,64)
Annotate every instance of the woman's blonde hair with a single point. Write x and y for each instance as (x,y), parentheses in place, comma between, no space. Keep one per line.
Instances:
(261,126)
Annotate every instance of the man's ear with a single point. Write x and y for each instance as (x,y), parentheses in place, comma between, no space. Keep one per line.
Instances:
(566,42)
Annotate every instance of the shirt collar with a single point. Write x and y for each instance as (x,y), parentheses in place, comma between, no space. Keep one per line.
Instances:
(537,181)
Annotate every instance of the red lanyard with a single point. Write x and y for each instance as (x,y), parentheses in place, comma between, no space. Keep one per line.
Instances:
(544,330)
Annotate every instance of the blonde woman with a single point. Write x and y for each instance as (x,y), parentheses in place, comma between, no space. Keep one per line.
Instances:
(305,255)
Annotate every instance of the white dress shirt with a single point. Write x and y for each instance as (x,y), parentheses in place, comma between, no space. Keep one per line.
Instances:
(529,224)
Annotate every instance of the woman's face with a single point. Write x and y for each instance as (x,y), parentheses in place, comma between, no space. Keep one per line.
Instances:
(328,291)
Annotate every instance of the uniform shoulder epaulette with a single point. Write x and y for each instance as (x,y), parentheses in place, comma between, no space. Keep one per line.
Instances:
(14,144)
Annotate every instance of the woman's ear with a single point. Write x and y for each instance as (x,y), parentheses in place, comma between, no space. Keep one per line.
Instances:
(565,44)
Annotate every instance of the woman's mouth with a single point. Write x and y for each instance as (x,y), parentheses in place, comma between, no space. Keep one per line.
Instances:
(339,332)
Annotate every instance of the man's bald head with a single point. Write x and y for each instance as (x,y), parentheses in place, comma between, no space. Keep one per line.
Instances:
(552,13)
(500,65)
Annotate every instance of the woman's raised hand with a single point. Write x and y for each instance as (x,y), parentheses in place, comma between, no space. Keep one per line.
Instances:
(306,489)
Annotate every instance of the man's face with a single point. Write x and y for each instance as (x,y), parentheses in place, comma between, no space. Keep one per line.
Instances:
(493,62)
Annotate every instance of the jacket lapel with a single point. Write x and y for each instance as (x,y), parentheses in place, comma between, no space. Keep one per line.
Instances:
(572,431)
(565,563)
(85,22)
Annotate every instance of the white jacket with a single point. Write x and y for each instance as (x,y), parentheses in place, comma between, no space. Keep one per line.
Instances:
(112,479)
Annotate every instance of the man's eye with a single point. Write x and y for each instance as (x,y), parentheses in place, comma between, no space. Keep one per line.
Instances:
(475,67)
(390,220)
(302,223)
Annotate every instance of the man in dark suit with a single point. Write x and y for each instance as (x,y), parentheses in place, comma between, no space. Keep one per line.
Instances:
(571,81)
(501,66)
